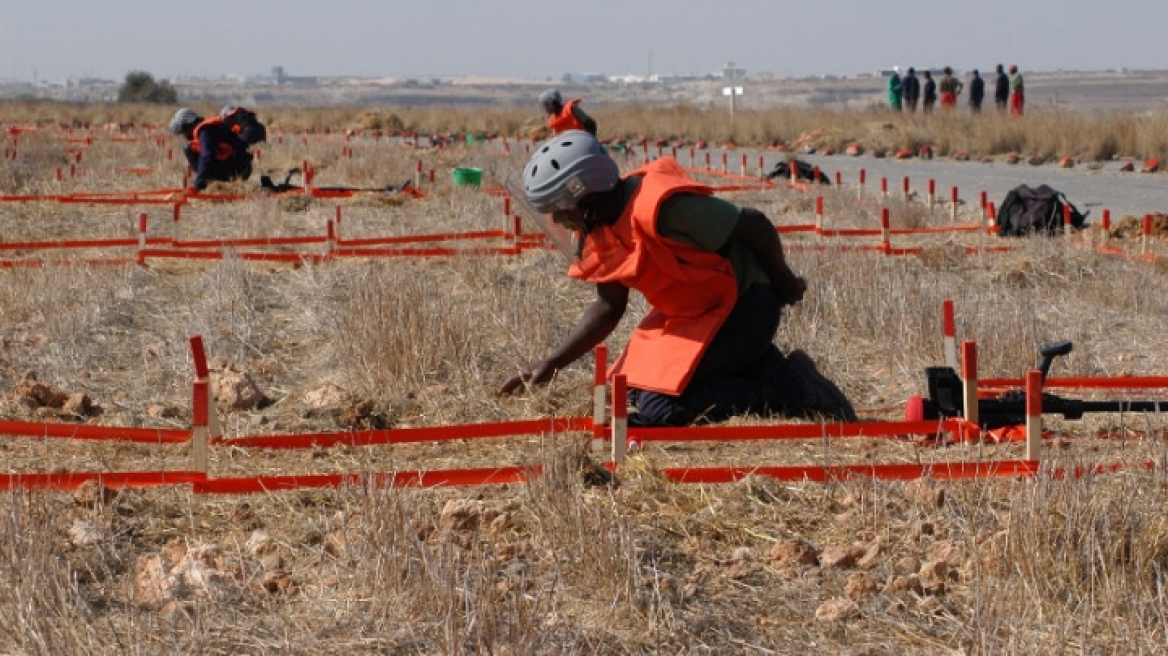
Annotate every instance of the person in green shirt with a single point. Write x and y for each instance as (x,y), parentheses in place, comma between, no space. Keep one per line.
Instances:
(894,94)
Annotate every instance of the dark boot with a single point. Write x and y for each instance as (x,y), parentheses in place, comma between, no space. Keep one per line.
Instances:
(817,394)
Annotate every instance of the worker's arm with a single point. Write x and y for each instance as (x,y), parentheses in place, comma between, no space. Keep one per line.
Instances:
(582,116)
(757,232)
(207,148)
(597,323)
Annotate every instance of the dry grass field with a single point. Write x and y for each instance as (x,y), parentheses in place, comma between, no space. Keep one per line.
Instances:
(573,561)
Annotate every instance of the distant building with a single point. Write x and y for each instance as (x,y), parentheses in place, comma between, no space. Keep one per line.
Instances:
(732,72)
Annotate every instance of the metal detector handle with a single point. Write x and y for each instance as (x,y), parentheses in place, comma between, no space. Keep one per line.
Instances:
(1049,352)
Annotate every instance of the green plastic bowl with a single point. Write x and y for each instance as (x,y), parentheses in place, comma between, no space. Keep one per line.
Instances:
(467,177)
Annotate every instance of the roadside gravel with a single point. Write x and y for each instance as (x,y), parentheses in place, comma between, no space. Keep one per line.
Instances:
(1123,193)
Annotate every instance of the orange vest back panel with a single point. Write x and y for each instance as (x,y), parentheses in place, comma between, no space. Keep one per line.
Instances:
(691,290)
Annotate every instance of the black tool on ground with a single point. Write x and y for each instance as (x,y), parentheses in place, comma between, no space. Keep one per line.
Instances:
(267,185)
(947,398)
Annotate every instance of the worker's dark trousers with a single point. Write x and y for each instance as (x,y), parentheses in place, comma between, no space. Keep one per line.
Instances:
(741,371)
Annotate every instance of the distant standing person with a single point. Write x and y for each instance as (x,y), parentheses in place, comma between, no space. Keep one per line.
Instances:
(1017,95)
(564,116)
(894,91)
(930,93)
(910,87)
(1001,89)
(950,88)
(976,92)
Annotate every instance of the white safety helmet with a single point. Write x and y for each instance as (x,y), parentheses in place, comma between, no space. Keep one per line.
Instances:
(184,119)
(551,101)
(563,170)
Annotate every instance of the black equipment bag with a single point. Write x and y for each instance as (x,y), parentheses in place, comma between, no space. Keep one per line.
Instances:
(1039,210)
(803,171)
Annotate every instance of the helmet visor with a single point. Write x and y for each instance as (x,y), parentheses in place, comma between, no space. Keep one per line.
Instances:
(563,238)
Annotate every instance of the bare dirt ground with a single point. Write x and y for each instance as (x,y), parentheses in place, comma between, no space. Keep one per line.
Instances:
(575,561)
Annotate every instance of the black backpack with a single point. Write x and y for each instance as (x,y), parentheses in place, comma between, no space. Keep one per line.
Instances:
(1035,211)
(803,171)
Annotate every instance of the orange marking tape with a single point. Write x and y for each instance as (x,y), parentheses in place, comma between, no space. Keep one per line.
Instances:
(240,243)
(73,480)
(86,432)
(1088,382)
(409,435)
(423,252)
(416,239)
(439,478)
(819,474)
(859,429)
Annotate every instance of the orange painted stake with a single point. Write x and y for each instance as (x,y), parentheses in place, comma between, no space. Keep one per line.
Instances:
(953,202)
(1033,415)
(620,418)
(860,189)
(906,188)
(141,238)
(949,342)
(969,376)
(885,231)
(884,188)
(599,397)
(1106,225)
(204,421)
(932,194)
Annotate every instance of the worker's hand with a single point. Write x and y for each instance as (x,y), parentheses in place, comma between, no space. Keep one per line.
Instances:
(790,290)
(539,374)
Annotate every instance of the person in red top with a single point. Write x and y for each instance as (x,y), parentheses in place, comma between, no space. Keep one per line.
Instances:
(565,116)
(713,273)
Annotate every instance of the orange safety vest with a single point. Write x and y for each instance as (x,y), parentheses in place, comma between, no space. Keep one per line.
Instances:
(223,151)
(691,290)
(566,120)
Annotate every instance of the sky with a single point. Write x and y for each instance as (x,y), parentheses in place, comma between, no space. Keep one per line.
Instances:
(50,40)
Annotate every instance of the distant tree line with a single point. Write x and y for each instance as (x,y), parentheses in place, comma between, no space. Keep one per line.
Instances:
(140,87)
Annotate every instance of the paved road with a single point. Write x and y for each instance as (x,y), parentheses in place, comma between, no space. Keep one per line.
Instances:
(1134,194)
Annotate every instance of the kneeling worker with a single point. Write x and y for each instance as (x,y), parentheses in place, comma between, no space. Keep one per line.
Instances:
(213,150)
(714,274)
(565,116)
